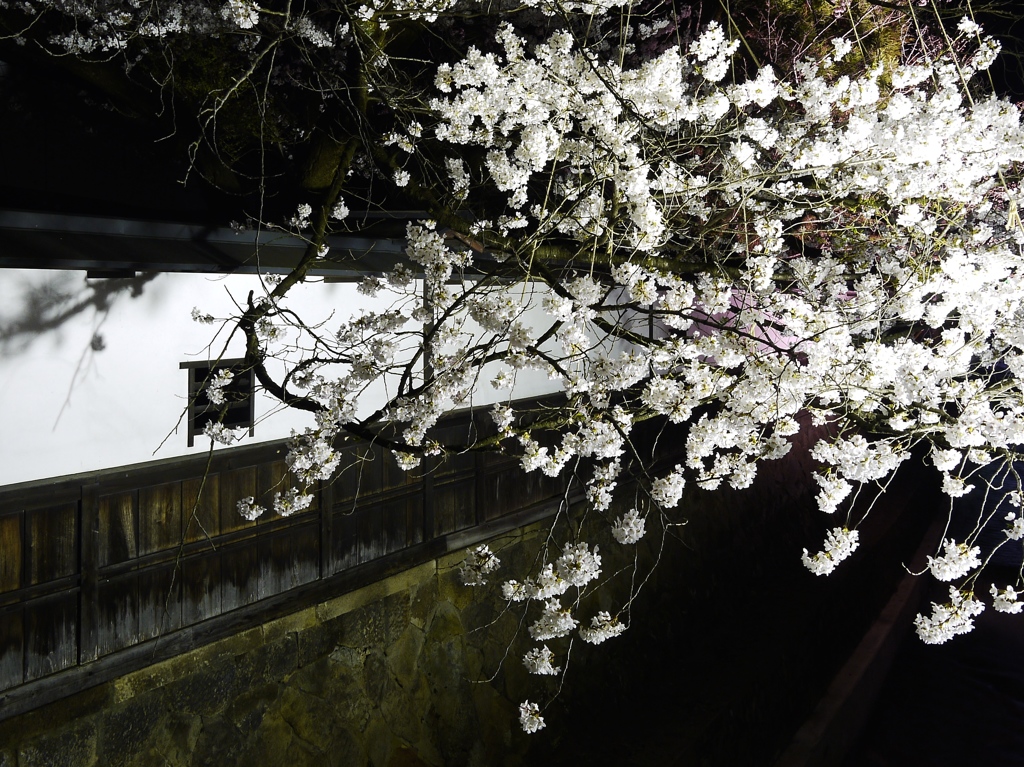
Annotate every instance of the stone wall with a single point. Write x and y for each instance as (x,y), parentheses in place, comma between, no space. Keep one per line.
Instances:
(380,676)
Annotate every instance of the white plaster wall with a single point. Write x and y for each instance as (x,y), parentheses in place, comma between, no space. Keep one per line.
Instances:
(66,407)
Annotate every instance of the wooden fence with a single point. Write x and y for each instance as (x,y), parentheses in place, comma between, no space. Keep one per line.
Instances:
(96,567)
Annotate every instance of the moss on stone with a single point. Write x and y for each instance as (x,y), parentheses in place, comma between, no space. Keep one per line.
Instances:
(71,746)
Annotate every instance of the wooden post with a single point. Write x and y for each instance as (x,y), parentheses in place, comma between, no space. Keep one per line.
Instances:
(326,528)
(88,610)
(430,465)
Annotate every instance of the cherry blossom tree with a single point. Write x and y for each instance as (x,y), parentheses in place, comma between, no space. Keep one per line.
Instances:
(638,207)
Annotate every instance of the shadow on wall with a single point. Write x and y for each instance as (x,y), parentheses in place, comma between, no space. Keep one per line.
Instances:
(59,299)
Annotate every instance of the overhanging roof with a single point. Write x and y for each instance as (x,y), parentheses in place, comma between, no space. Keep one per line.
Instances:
(36,240)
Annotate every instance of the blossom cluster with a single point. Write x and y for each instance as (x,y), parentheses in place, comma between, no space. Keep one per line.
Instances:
(602,627)
(479,563)
(1005,600)
(949,619)
(958,560)
(840,543)
(539,661)
(629,528)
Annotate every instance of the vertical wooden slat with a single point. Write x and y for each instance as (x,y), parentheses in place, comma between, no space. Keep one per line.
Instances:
(240,574)
(53,542)
(159,517)
(402,523)
(508,488)
(117,541)
(51,630)
(428,497)
(454,505)
(345,482)
(480,495)
(371,533)
(306,553)
(271,479)
(326,564)
(394,476)
(200,596)
(276,558)
(366,476)
(88,556)
(118,613)
(234,486)
(346,539)
(11,551)
(200,508)
(12,647)
(159,601)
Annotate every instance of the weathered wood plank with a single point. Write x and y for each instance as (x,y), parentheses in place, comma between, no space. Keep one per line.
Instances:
(370,512)
(326,565)
(53,542)
(457,462)
(200,507)
(51,633)
(371,533)
(394,476)
(159,517)
(345,539)
(12,647)
(200,587)
(359,474)
(402,523)
(159,601)
(507,489)
(240,575)
(277,564)
(117,614)
(89,541)
(454,506)
(234,486)
(362,474)
(271,479)
(307,553)
(10,551)
(117,526)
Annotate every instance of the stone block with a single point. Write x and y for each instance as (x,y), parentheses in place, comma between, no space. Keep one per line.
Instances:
(402,710)
(289,624)
(73,746)
(125,729)
(319,641)
(346,750)
(173,669)
(379,742)
(172,741)
(205,691)
(377,624)
(312,720)
(403,656)
(220,743)
(247,710)
(403,756)
(422,601)
(268,663)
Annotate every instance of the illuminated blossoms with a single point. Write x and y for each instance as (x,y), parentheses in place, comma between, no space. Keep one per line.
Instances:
(658,231)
